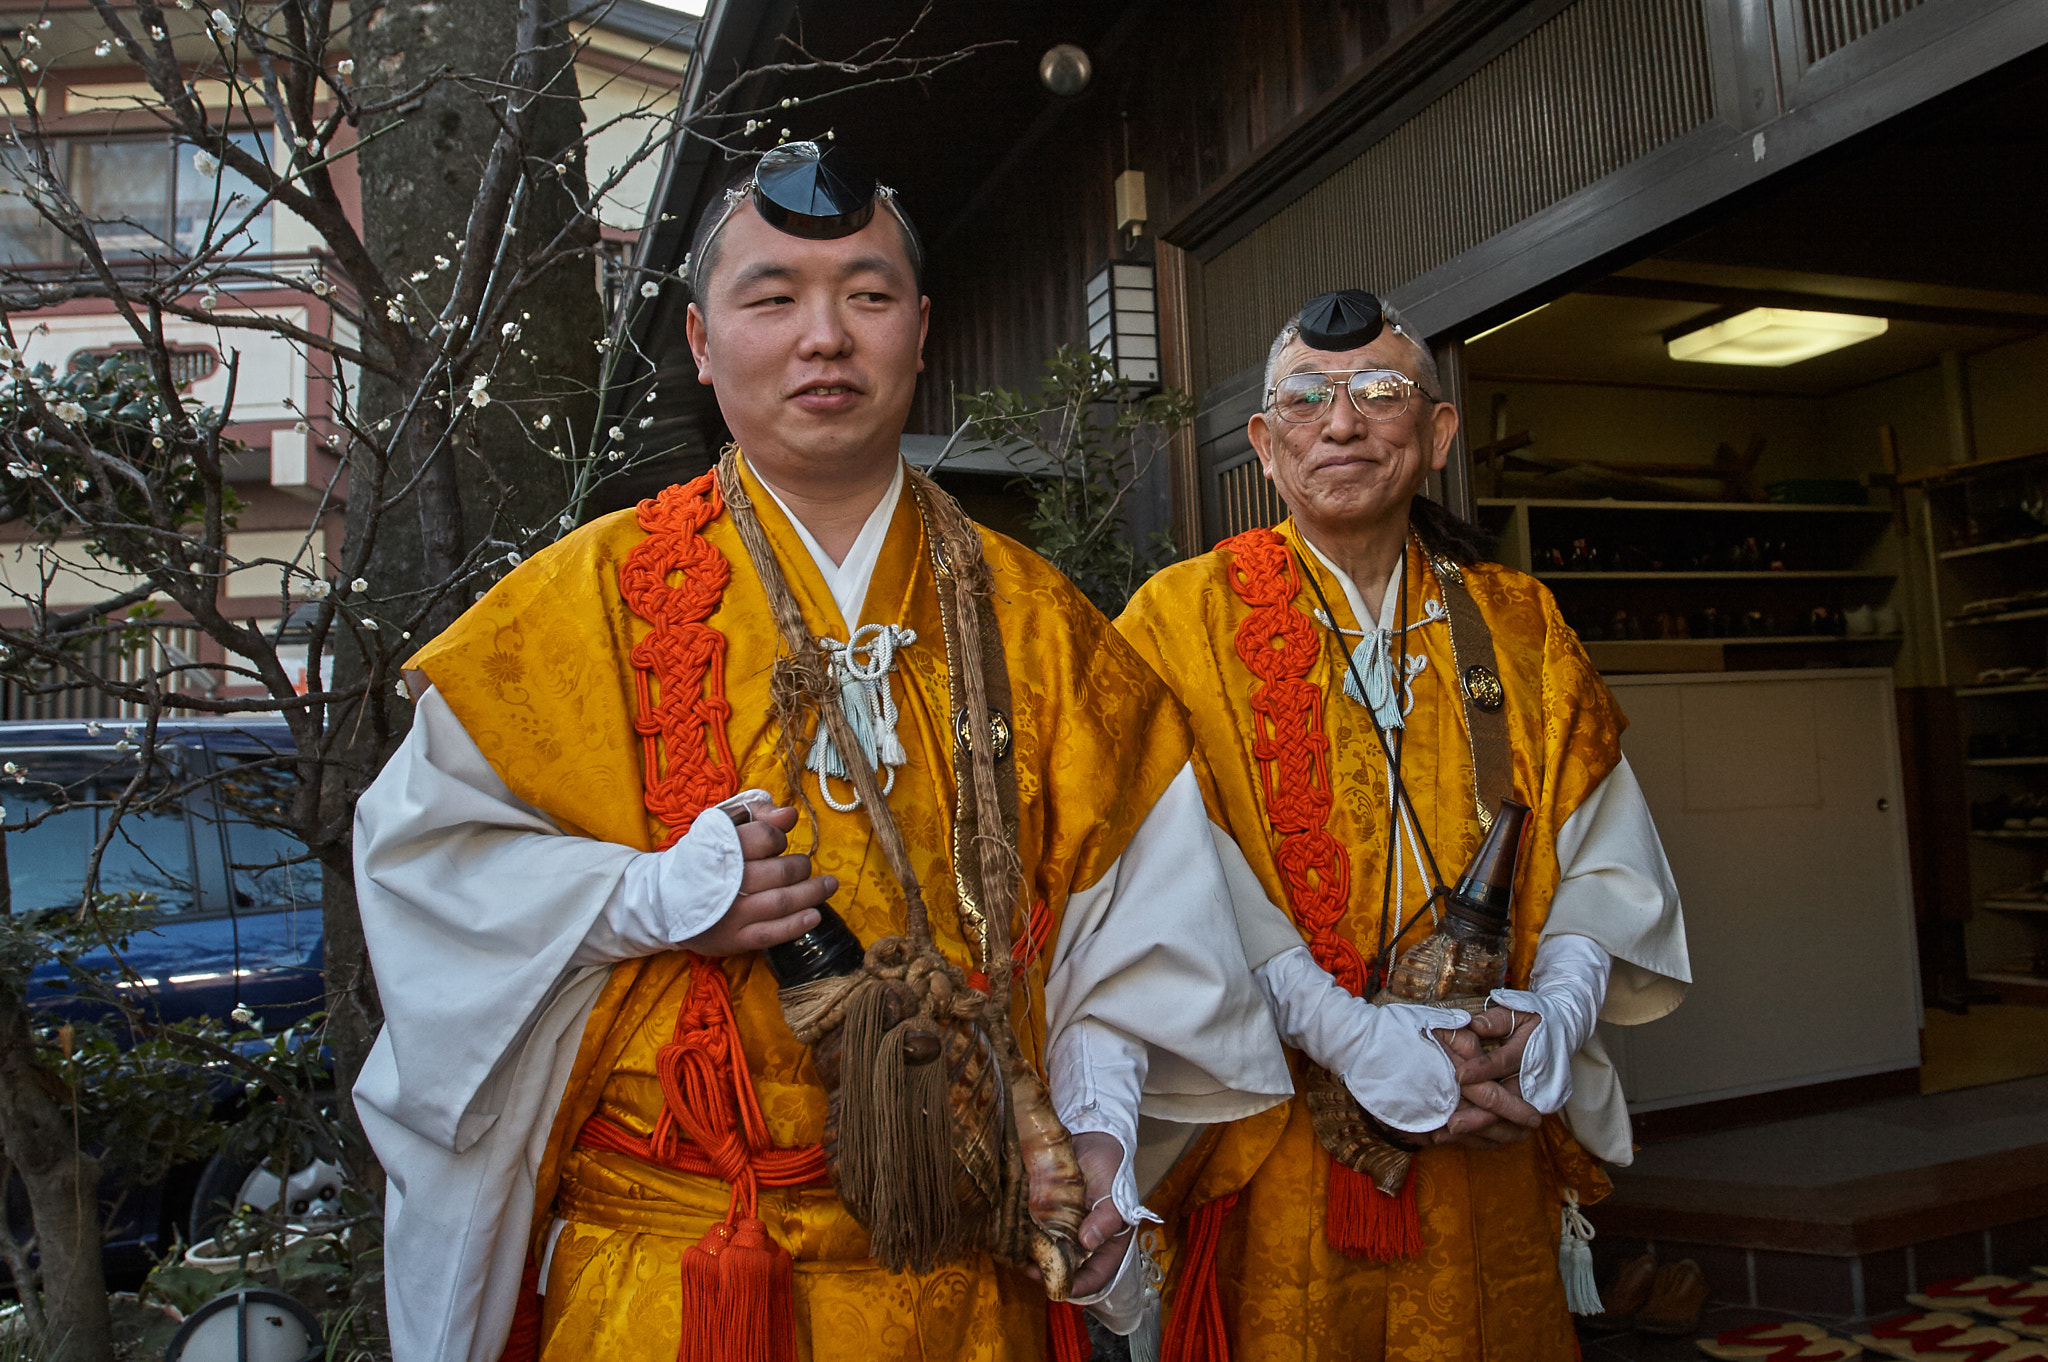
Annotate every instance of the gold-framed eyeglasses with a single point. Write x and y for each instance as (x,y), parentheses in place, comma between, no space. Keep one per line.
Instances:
(1376,394)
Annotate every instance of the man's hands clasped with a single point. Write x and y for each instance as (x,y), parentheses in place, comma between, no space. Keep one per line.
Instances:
(779,896)
(1490,1111)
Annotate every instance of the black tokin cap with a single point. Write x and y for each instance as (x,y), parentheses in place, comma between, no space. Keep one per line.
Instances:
(1343,320)
(807,191)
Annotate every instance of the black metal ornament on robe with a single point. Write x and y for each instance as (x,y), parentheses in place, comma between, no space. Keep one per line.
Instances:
(1343,320)
(816,193)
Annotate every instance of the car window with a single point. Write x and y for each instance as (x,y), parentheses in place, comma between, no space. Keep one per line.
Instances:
(151,849)
(267,866)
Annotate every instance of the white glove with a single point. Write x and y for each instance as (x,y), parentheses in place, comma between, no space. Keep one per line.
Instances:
(667,897)
(1566,987)
(1386,1055)
(1096,1076)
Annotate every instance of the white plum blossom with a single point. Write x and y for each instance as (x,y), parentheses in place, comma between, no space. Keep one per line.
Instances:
(645,422)
(359,586)
(547,419)
(442,262)
(69,411)
(319,589)
(224,22)
(369,624)
(480,391)
(156,32)
(649,289)
(205,163)
(242,1015)
(510,331)
(102,48)
(345,67)
(615,434)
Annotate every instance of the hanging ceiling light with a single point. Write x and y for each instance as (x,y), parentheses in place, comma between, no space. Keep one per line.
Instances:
(1773,337)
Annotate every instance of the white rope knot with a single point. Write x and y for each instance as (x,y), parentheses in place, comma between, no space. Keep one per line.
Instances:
(862,665)
(1391,699)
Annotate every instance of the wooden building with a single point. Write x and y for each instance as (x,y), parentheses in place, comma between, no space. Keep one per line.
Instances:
(1820,587)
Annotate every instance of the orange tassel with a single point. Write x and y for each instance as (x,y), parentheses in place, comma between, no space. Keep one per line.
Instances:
(703,1325)
(523,1343)
(1195,1332)
(1361,1221)
(757,1288)
(1069,1332)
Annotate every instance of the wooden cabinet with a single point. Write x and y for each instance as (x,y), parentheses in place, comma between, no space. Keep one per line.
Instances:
(1683,586)
(1777,795)
(1987,528)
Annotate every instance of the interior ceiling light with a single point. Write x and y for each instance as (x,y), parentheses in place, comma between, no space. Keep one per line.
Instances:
(1773,337)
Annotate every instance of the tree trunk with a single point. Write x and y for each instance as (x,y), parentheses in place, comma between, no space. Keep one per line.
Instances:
(63,1185)
(491,479)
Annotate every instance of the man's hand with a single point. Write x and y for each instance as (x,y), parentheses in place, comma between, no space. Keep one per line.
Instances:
(1104,1233)
(1511,1028)
(778,895)
(1490,1111)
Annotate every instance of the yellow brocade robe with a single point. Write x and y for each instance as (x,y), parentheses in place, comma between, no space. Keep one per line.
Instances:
(539,675)
(1487,1285)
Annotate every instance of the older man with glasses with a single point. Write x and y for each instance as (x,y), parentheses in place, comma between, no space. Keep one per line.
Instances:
(1365,688)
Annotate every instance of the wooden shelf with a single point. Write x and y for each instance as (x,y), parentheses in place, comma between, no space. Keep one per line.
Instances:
(2007,688)
(2017,905)
(2002,617)
(2007,835)
(1969,550)
(1963,472)
(2008,761)
(1816,574)
(2000,977)
(1612,504)
(1739,641)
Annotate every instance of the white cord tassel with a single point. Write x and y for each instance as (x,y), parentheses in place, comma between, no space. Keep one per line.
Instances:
(869,707)
(1575,1260)
(1145,1340)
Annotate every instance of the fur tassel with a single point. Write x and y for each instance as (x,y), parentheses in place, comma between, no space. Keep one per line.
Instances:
(1361,1221)
(916,1218)
(1575,1260)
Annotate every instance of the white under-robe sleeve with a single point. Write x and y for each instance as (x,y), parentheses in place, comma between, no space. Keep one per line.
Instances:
(1149,959)
(1615,889)
(475,906)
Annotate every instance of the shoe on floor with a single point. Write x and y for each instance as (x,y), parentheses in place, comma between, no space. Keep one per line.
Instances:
(1628,1292)
(1677,1295)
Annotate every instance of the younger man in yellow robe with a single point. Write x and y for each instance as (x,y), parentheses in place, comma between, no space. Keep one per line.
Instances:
(1283,695)
(585,1074)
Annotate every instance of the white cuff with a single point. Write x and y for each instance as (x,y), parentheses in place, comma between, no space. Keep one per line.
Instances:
(1121,1305)
(1385,1054)
(1096,1075)
(1566,987)
(667,897)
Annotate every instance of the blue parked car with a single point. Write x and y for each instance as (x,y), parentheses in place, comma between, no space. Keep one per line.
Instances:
(240,907)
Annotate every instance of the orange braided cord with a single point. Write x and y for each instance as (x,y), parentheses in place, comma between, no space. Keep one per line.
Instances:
(710,1123)
(1279,644)
(687,761)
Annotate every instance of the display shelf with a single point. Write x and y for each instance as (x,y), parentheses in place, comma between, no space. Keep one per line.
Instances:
(2009,835)
(1972,550)
(1740,641)
(1730,507)
(2012,688)
(1688,575)
(2009,761)
(2002,617)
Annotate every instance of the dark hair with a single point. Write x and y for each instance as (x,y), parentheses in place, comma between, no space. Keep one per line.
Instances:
(706,240)
(1453,536)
